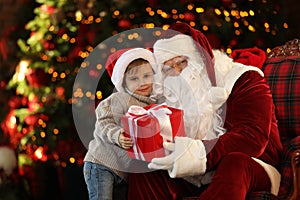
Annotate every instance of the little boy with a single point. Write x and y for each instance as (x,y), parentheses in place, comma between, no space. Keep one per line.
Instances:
(106,163)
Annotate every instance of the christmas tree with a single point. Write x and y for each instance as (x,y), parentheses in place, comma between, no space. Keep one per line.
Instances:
(63,33)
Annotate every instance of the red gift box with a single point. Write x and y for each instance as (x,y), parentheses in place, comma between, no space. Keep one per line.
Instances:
(148,127)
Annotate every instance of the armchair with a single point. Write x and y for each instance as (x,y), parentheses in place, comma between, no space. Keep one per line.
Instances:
(282,70)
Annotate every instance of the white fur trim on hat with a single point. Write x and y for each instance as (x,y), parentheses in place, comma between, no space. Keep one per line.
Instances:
(124,60)
(179,45)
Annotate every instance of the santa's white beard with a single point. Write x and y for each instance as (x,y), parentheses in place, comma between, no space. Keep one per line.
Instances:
(190,92)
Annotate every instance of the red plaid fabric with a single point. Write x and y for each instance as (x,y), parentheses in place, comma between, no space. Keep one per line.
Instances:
(286,185)
(283,75)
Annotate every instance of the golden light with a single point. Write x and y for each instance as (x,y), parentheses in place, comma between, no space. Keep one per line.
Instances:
(65,37)
(120,40)
(243,14)
(285,25)
(62,75)
(72,40)
(228,51)
(251,12)
(200,10)
(40,121)
(158,33)
(266,25)
(78,16)
(174,11)
(44,57)
(98,20)
(42,134)
(226,13)
(251,28)
(151,13)
(84,64)
(237,32)
(90,48)
(51,70)
(55,131)
(39,153)
(190,6)
(116,12)
(165,27)
(72,160)
(78,93)
(12,122)
(99,66)
(136,35)
(55,74)
(164,15)
(21,70)
(205,28)
(148,25)
(83,54)
(51,28)
(130,37)
(218,12)
(88,94)
(99,94)
(234,13)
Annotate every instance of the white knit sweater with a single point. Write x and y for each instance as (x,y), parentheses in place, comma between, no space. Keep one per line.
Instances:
(104,149)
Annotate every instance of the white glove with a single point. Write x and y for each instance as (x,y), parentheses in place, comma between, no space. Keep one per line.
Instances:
(187,158)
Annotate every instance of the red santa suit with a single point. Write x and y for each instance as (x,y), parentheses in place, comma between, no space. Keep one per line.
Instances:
(241,153)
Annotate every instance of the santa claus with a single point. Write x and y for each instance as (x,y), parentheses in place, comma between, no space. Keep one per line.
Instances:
(232,146)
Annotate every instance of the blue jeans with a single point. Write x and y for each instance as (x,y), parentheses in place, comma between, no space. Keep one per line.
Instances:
(103,183)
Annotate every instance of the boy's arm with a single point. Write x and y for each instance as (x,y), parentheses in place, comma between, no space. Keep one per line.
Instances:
(108,114)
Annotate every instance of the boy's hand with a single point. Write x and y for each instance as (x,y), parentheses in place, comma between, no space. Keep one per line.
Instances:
(125,142)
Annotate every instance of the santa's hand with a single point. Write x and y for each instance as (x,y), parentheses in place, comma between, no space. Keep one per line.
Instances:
(187,159)
(164,162)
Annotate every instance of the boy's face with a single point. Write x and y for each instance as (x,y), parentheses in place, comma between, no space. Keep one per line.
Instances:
(139,79)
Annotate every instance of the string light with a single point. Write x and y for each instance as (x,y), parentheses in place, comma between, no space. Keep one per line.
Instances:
(99,95)
(62,75)
(42,134)
(55,131)
(72,160)
(217,11)
(190,6)
(200,10)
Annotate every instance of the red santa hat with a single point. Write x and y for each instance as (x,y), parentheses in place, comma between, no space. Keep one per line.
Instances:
(117,63)
(183,46)
(251,56)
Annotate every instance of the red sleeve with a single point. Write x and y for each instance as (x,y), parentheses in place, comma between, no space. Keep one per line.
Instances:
(248,120)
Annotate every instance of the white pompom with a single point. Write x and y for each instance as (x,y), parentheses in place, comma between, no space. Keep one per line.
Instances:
(8,160)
